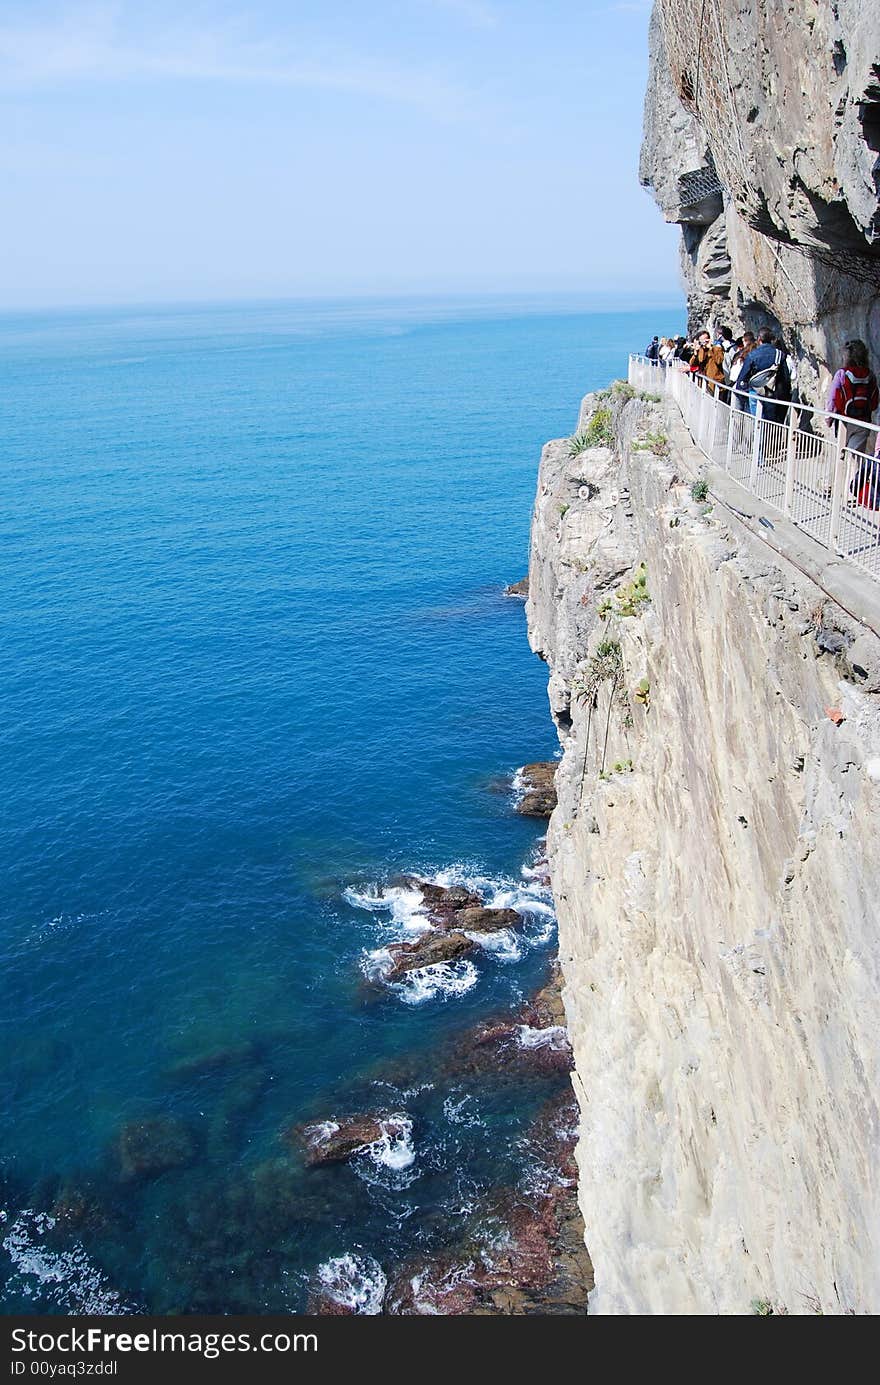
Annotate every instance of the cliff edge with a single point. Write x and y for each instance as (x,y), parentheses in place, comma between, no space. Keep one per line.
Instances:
(715,858)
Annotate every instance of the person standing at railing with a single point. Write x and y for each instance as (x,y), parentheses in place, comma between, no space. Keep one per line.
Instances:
(764,376)
(744,346)
(652,350)
(855,395)
(708,360)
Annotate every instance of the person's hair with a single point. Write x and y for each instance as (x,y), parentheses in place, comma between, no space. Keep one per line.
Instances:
(748,336)
(766,335)
(855,355)
(727,334)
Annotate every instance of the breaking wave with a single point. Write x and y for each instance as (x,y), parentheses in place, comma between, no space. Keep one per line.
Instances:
(355,1282)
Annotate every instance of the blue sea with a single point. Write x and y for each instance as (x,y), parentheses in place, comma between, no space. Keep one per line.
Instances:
(256,661)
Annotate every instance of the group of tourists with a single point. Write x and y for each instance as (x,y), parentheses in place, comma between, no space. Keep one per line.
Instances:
(759,370)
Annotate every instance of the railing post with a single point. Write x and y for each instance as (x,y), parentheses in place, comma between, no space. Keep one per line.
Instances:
(789,463)
(756,446)
(837,487)
(728,451)
(704,412)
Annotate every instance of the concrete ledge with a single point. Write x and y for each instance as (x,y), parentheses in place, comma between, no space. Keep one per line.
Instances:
(853,591)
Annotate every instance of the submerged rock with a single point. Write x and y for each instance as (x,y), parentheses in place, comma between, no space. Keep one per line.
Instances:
(426,952)
(333,1142)
(149,1147)
(538,789)
(223,1058)
(532,1041)
(528,1257)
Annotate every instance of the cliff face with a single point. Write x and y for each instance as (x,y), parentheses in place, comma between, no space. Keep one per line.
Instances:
(761,139)
(715,857)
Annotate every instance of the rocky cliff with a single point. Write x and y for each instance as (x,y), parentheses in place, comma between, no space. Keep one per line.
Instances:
(715,858)
(761,139)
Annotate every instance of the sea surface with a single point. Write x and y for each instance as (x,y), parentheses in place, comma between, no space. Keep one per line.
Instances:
(256,661)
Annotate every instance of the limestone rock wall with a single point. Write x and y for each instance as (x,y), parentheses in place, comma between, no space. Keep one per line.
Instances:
(715,858)
(780,99)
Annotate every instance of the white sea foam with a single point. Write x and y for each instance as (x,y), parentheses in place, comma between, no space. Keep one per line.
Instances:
(442,979)
(357,1282)
(394,1148)
(503,944)
(461,1111)
(405,908)
(66,1277)
(554,1036)
(390,1161)
(320,1132)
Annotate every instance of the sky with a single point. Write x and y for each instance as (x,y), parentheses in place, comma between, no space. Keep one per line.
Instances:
(172,150)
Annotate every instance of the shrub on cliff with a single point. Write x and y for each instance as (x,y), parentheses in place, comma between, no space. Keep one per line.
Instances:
(596,434)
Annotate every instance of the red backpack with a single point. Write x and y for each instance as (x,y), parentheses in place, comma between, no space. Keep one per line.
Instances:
(860,394)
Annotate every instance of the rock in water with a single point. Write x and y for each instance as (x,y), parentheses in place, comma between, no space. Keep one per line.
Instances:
(332,1142)
(520,588)
(538,789)
(441,899)
(149,1147)
(484,920)
(426,951)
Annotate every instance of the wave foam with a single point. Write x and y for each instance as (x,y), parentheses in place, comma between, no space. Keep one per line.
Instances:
(503,944)
(442,979)
(405,908)
(67,1277)
(356,1282)
(554,1036)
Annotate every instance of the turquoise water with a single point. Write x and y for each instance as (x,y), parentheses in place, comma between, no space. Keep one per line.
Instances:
(256,659)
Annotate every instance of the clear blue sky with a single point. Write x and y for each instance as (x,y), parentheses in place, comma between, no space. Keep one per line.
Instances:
(192,149)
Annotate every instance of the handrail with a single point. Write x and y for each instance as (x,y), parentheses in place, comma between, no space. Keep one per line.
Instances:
(825,487)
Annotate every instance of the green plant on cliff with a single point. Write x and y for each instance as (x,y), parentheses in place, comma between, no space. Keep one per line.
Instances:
(762,1308)
(658,443)
(622,389)
(700,490)
(642,693)
(607,662)
(596,434)
(563,510)
(633,595)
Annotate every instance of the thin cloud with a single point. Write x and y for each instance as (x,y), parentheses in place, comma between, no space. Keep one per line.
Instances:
(94,45)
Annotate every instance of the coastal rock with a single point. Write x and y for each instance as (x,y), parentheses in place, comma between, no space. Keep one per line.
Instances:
(538,1262)
(520,588)
(531,1041)
(426,952)
(441,899)
(536,782)
(484,920)
(151,1146)
(333,1142)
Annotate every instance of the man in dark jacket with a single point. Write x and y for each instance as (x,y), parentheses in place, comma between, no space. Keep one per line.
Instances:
(767,357)
(653,351)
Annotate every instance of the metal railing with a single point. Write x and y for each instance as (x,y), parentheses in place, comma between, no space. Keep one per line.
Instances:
(793,457)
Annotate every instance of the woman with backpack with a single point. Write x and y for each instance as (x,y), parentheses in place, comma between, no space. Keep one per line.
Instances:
(854,394)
